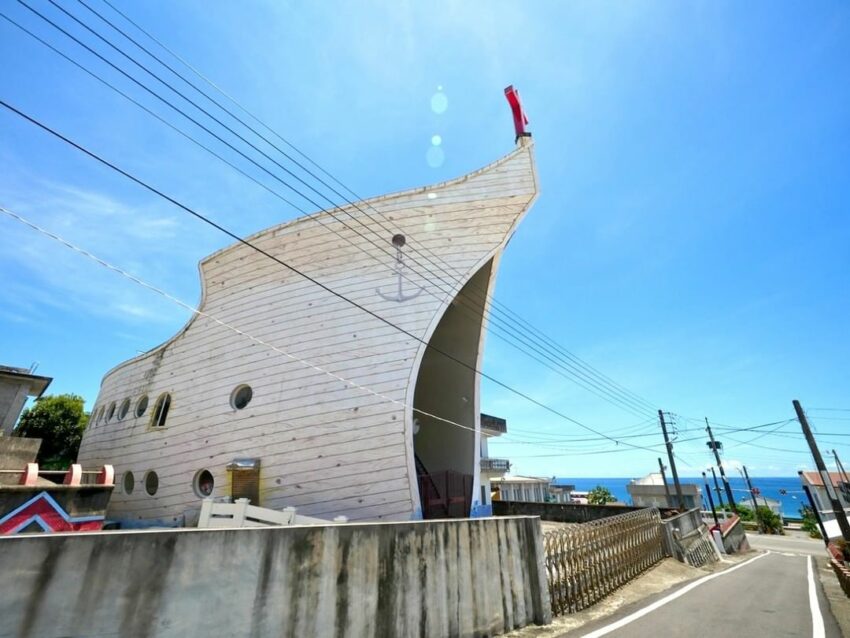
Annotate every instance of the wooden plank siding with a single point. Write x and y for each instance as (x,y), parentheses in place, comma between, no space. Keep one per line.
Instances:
(326,446)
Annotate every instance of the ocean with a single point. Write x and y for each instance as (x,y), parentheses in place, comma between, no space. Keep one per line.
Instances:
(791,501)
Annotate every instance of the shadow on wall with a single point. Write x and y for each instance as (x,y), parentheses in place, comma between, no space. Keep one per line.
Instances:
(427,578)
(445,453)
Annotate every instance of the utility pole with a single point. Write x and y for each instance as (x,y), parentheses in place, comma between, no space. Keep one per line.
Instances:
(840,515)
(715,446)
(679,496)
(710,500)
(815,511)
(843,476)
(664,479)
(717,487)
(753,497)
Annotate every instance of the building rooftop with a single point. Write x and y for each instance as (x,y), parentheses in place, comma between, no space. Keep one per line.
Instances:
(814,478)
(649,479)
(520,479)
(38,384)
(655,480)
(493,425)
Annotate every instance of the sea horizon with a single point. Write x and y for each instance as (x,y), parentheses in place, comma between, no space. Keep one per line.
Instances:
(768,486)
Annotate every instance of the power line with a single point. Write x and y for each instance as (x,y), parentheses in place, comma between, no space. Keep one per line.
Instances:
(624,397)
(135,279)
(242,108)
(224,324)
(298,272)
(566,370)
(301,166)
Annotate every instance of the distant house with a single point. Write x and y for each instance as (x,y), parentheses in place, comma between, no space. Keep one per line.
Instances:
(491,468)
(649,491)
(841,488)
(561,492)
(16,385)
(530,489)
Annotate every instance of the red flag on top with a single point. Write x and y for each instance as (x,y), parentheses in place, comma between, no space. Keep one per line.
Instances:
(520,120)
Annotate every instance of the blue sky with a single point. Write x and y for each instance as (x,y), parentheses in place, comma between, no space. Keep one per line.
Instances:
(691,240)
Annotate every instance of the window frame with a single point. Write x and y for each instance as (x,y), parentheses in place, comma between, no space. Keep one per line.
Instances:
(158,420)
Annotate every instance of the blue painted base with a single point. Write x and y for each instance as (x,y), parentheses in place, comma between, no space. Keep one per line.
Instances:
(480,511)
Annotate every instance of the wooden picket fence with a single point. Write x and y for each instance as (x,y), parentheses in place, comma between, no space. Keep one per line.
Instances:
(587,562)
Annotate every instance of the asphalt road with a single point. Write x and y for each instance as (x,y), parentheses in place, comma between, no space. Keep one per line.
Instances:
(768,596)
(794,543)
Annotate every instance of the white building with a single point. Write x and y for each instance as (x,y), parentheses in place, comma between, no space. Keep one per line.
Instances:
(491,468)
(649,491)
(561,492)
(285,393)
(840,488)
(531,489)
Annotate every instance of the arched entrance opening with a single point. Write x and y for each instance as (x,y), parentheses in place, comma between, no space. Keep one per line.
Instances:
(448,387)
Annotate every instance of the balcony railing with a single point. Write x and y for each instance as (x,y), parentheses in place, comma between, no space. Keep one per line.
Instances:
(495,465)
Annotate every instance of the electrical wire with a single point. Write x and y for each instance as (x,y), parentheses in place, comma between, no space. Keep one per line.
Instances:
(565,371)
(298,272)
(550,342)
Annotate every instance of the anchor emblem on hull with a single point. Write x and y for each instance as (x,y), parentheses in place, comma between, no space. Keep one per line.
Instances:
(399,296)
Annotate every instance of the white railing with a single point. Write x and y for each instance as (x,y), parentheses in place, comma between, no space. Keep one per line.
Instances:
(243,514)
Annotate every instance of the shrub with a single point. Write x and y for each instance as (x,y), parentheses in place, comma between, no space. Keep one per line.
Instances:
(810,522)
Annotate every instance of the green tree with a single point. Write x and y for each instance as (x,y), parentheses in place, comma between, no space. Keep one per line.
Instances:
(768,520)
(59,421)
(600,495)
(810,523)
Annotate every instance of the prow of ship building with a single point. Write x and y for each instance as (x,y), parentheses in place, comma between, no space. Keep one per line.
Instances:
(215,413)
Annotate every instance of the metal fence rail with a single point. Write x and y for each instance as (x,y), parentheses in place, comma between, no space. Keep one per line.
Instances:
(587,562)
(700,551)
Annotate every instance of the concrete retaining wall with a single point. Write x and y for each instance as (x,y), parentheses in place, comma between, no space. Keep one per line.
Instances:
(15,453)
(427,578)
(687,539)
(565,512)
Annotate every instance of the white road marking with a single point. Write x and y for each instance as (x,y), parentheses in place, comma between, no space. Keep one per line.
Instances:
(817,619)
(640,613)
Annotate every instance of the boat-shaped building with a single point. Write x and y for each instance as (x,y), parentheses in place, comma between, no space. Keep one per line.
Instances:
(341,383)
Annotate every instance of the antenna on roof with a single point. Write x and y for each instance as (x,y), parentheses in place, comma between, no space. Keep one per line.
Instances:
(33,367)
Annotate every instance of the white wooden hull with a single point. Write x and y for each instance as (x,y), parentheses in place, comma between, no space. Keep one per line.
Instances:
(326,447)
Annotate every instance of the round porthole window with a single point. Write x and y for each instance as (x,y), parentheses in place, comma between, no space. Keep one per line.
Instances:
(124,409)
(204,483)
(142,406)
(129,483)
(111,412)
(241,397)
(151,482)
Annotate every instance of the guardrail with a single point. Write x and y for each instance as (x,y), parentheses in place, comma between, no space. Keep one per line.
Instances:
(587,562)
(74,476)
(243,514)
